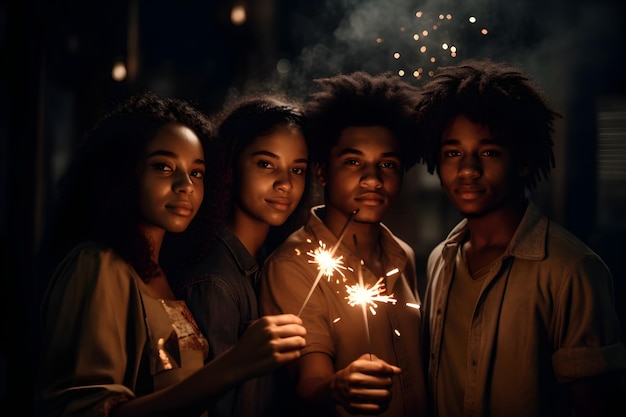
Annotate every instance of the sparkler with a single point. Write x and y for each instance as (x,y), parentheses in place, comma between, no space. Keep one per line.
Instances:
(366,297)
(325,260)
(326,263)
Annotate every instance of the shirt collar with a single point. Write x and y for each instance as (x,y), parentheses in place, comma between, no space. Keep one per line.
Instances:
(245,262)
(528,241)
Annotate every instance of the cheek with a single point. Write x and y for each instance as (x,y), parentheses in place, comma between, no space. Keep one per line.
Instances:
(248,184)
(199,194)
(393,186)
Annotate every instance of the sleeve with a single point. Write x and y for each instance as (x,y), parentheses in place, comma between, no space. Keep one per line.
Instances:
(92,324)
(587,331)
(286,281)
(213,303)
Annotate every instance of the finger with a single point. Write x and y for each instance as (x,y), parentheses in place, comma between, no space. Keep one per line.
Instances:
(288,330)
(284,357)
(289,343)
(283,319)
(366,408)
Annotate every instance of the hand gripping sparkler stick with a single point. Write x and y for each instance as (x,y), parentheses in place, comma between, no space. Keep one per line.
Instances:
(332,251)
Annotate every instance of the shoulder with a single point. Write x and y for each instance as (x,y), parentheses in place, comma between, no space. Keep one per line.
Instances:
(570,252)
(91,256)
(392,238)
(91,268)
(91,264)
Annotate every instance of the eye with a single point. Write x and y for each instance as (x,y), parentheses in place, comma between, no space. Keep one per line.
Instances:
(389,164)
(264,164)
(161,166)
(491,152)
(298,171)
(450,153)
(199,174)
(353,162)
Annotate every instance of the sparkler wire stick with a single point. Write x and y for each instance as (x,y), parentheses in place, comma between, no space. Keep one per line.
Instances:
(332,251)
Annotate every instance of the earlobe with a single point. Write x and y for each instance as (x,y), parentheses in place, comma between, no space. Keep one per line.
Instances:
(320,173)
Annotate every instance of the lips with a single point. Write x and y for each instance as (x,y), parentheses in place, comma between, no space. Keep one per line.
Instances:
(468,191)
(181,208)
(370,199)
(282,204)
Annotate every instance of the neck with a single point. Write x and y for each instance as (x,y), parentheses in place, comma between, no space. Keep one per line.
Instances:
(362,239)
(252,233)
(496,228)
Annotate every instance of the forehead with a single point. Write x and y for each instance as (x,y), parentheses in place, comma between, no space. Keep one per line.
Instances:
(377,139)
(462,129)
(176,138)
(283,139)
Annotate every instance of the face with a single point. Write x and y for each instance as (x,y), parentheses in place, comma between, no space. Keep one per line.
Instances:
(271,176)
(476,169)
(364,171)
(171,185)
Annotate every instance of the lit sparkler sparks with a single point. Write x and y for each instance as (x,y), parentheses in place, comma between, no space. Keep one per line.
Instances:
(327,264)
(325,259)
(366,296)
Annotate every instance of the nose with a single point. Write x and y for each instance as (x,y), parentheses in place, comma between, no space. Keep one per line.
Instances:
(371,177)
(470,166)
(183,183)
(283,181)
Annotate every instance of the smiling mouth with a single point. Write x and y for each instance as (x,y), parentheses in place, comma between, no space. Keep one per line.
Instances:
(370,200)
(280,205)
(469,192)
(181,210)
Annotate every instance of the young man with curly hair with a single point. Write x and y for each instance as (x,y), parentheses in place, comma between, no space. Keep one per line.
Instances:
(520,312)
(363,134)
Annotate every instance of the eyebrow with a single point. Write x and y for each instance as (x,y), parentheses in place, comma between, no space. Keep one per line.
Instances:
(485,141)
(352,151)
(274,156)
(161,152)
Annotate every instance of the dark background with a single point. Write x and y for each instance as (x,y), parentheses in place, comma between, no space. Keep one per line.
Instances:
(57,58)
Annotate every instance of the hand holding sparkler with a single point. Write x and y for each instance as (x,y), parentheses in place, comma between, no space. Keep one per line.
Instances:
(364,386)
(326,261)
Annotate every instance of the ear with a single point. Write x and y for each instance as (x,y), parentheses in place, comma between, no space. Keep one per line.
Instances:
(321,173)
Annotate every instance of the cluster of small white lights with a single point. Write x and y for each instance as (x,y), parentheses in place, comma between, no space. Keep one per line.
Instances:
(428,41)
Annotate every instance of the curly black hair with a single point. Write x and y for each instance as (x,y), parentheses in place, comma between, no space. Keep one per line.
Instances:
(362,99)
(500,96)
(98,198)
